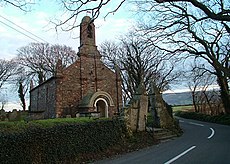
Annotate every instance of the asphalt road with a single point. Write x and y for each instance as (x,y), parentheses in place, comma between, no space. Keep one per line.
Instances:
(201,143)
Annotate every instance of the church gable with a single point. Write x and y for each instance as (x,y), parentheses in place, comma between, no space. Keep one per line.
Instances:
(86,86)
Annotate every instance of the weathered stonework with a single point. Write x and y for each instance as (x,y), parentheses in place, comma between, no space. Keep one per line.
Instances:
(166,119)
(86,86)
(137,111)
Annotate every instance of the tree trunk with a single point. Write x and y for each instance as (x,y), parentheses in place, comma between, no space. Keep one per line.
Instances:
(194,101)
(210,108)
(224,92)
(22,96)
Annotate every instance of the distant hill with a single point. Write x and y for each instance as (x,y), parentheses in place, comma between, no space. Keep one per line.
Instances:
(183,98)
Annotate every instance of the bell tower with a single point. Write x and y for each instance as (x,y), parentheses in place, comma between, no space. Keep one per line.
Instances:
(89,57)
(87,32)
(87,39)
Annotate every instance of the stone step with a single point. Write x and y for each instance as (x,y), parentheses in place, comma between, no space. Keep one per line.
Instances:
(161,134)
(159,130)
(165,137)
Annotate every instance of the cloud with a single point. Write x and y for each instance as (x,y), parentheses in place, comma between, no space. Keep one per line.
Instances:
(38,22)
(111,28)
(12,105)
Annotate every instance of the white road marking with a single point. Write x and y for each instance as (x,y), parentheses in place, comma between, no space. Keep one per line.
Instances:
(196,124)
(180,155)
(212,134)
(181,121)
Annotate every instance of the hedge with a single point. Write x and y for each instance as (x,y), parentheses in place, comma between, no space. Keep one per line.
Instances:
(220,119)
(62,143)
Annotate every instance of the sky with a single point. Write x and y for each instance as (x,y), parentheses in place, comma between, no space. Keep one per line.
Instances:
(36,27)
(18,29)
(38,23)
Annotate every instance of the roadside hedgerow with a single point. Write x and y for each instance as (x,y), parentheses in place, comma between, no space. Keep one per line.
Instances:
(58,142)
(220,119)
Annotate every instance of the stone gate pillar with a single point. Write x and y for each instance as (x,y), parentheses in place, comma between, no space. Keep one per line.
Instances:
(138,109)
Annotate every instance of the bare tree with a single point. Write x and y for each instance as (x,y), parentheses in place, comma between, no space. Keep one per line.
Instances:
(74,8)
(146,66)
(138,63)
(22,83)
(188,27)
(199,83)
(23,5)
(182,29)
(213,9)
(3,99)
(40,59)
(7,70)
(21,94)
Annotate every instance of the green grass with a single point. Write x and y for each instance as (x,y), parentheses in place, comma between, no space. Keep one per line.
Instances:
(6,126)
(52,122)
(12,126)
(183,108)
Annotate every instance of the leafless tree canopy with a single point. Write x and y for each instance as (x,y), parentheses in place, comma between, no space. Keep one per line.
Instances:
(185,29)
(214,9)
(23,5)
(7,70)
(40,59)
(205,99)
(139,62)
(76,8)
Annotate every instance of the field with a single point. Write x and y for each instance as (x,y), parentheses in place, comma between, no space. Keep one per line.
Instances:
(188,108)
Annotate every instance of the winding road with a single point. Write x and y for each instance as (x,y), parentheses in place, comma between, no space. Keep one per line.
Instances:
(201,143)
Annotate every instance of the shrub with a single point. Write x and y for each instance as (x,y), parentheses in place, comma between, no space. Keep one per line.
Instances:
(36,143)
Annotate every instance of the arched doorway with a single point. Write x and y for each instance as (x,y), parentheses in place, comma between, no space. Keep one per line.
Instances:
(101,106)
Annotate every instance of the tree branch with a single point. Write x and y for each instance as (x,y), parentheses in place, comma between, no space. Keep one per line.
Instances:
(221,16)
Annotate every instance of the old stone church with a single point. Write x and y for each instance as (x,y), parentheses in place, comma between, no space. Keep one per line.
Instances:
(86,86)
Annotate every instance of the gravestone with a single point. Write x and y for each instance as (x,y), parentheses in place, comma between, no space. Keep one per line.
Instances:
(14,115)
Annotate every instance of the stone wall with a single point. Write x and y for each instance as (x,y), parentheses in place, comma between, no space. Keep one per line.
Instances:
(43,98)
(86,75)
